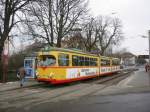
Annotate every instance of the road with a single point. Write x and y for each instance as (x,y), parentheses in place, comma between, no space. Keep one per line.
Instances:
(94,95)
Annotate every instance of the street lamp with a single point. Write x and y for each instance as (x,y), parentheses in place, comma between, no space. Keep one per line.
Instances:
(149,44)
(148,41)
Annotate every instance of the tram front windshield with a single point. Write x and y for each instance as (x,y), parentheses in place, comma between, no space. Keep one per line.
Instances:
(47,60)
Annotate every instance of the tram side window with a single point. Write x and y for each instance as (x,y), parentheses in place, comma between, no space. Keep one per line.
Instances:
(93,62)
(81,61)
(105,62)
(87,61)
(75,60)
(78,60)
(63,60)
(115,62)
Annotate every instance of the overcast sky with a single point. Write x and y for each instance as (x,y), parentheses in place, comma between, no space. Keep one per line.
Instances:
(135,16)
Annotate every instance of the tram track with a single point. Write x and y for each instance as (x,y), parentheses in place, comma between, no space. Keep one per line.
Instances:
(107,78)
(57,88)
(50,93)
(48,88)
(99,79)
(110,82)
(43,97)
(107,82)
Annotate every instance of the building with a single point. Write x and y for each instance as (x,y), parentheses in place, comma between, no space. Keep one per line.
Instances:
(128,59)
(145,57)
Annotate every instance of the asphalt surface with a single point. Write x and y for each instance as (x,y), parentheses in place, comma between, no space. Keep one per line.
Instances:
(124,94)
(138,102)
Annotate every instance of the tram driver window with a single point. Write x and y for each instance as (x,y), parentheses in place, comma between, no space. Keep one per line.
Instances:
(47,60)
(63,60)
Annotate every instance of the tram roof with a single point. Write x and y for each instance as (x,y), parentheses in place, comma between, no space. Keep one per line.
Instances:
(73,51)
(67,50)
(115,58)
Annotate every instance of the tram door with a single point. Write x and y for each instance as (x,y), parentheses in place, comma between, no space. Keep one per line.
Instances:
(29,65)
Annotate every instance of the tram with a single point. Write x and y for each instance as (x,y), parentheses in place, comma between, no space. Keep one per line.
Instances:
(57,65)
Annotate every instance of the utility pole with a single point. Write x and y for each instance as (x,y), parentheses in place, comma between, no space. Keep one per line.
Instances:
(149,44)
(5,60)
(143,36)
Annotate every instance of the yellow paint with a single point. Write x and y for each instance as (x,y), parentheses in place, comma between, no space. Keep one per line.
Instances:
(59,73)
(53,73)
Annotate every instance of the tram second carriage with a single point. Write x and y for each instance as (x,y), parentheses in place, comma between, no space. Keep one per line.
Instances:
(58,65)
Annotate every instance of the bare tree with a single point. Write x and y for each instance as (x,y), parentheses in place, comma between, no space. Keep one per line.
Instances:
(9,9)
(52,20)
(90,34)
(97,35)
(75,40)
(39,20)
(101,32)
(110,32)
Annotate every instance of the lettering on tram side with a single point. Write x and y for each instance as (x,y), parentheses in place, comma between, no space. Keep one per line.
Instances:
(84,70)
(79,72)
(105,69)
(115,68)
(88,71)
(72,73)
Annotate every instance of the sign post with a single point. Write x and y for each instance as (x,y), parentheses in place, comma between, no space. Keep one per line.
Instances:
(5,60)
(30,65)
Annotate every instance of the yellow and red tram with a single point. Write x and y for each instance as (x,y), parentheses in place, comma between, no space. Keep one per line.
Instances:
(57,65)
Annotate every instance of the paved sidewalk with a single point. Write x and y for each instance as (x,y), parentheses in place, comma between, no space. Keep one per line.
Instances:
(16,84)
(140,78)
(138,82)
